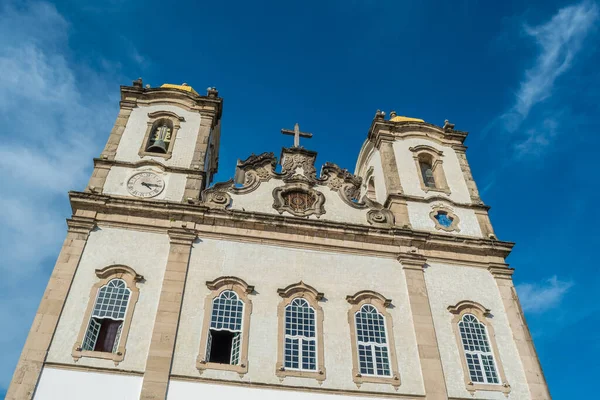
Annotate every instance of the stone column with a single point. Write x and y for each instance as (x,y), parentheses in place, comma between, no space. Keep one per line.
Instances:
(164,334)
(110,150)
(429,354)
(40,336)
(197,182)
(538,389)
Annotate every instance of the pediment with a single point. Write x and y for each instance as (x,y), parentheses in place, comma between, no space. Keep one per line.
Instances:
(296,190)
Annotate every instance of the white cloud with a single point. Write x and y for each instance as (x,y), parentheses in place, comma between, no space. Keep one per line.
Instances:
(559,41)
(50,134)
(539,138)
(543,296)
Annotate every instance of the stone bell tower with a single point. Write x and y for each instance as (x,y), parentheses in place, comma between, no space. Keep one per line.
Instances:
(170,132)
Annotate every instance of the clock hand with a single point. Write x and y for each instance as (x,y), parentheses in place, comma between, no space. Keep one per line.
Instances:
(147,185)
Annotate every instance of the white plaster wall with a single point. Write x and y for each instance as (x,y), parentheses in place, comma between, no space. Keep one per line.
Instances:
(147,254)
(135,130)
(181,390)
(270,268)
(62,384)
(116,182)
(375,162)
(449,284)
(409,175)
(420,220)
(261,200)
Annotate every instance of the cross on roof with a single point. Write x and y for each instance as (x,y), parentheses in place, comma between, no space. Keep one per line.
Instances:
(297,134)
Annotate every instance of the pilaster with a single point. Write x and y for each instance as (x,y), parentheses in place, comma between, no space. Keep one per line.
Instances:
(166,324)
(196,183)
(40,336)
(485,224)
(391,176)
(466,169)
(429,354)
(538,388)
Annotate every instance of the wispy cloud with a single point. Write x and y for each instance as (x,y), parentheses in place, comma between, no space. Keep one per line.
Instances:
(543,296)
(559,40)
(50,133)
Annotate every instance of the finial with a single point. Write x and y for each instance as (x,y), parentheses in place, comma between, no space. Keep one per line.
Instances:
(448,126)
(379,114)
(393,114)
(212,92)
(184,84)
(147,86)
(138,83)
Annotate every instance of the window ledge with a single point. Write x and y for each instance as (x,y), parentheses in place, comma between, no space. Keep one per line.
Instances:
(115,357)
(428,189)
(488,387)
(283,372)
(359,379)
(241,368)
(166,156)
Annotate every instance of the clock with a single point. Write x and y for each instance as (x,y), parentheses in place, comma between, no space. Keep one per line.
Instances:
(145,184)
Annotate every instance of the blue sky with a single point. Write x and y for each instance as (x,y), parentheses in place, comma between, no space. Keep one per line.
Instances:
(522,77)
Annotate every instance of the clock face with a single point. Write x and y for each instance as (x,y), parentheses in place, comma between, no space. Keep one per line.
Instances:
(145,184)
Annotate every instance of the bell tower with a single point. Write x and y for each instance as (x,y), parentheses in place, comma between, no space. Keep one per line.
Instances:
(164,144)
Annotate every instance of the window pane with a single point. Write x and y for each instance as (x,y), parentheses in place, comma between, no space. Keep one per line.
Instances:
(227,312)
(309,355)
(292,351)
(478,352)
(112,300)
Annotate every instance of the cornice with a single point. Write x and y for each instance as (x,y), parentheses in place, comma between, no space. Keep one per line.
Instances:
(368,238)
(381,129)
(101,162)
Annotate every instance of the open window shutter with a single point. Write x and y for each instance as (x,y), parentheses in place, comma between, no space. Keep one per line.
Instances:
(208,346)
(235,349)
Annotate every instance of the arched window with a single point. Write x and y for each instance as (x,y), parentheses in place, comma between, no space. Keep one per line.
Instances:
(224,341)
(429,162)
(478,352)
(425,163)
(373,352)
(300,336)
(106,322)
(224,336)
(477,348)
(300,340)
(160,134)
(160,137)
(108,317)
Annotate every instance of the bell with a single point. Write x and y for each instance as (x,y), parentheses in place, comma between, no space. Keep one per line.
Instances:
(159,146)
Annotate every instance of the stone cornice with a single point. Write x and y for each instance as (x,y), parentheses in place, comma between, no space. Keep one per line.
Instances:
(381,129)
(210,104)
(363,239)
(100,162)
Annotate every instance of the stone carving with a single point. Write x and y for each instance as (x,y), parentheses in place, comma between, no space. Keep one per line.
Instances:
(298,164)
(298,199)
(218,196)
(253,171)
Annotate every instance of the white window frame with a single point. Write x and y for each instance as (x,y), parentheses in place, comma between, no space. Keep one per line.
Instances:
(300,338)
(373,345)
(479,353)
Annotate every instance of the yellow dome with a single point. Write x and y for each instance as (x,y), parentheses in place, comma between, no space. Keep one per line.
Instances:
(184,86)
(401,118)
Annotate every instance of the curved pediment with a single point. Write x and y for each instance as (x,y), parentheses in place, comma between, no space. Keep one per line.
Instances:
(297,190)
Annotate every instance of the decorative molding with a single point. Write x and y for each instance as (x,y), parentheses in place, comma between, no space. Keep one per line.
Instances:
(283,196)
(442,208)
(118,271)
(217,196)
(229,282)
(420,152)
(158,114)
(367,297)
(300,288)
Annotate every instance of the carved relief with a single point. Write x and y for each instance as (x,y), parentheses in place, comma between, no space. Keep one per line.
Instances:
(444,218)
(298,164)
(217,196)
(299,200)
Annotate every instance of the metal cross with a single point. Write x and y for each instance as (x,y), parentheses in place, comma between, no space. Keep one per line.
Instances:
(297,134)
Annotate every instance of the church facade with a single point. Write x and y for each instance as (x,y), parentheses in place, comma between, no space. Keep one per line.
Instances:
(286,282)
